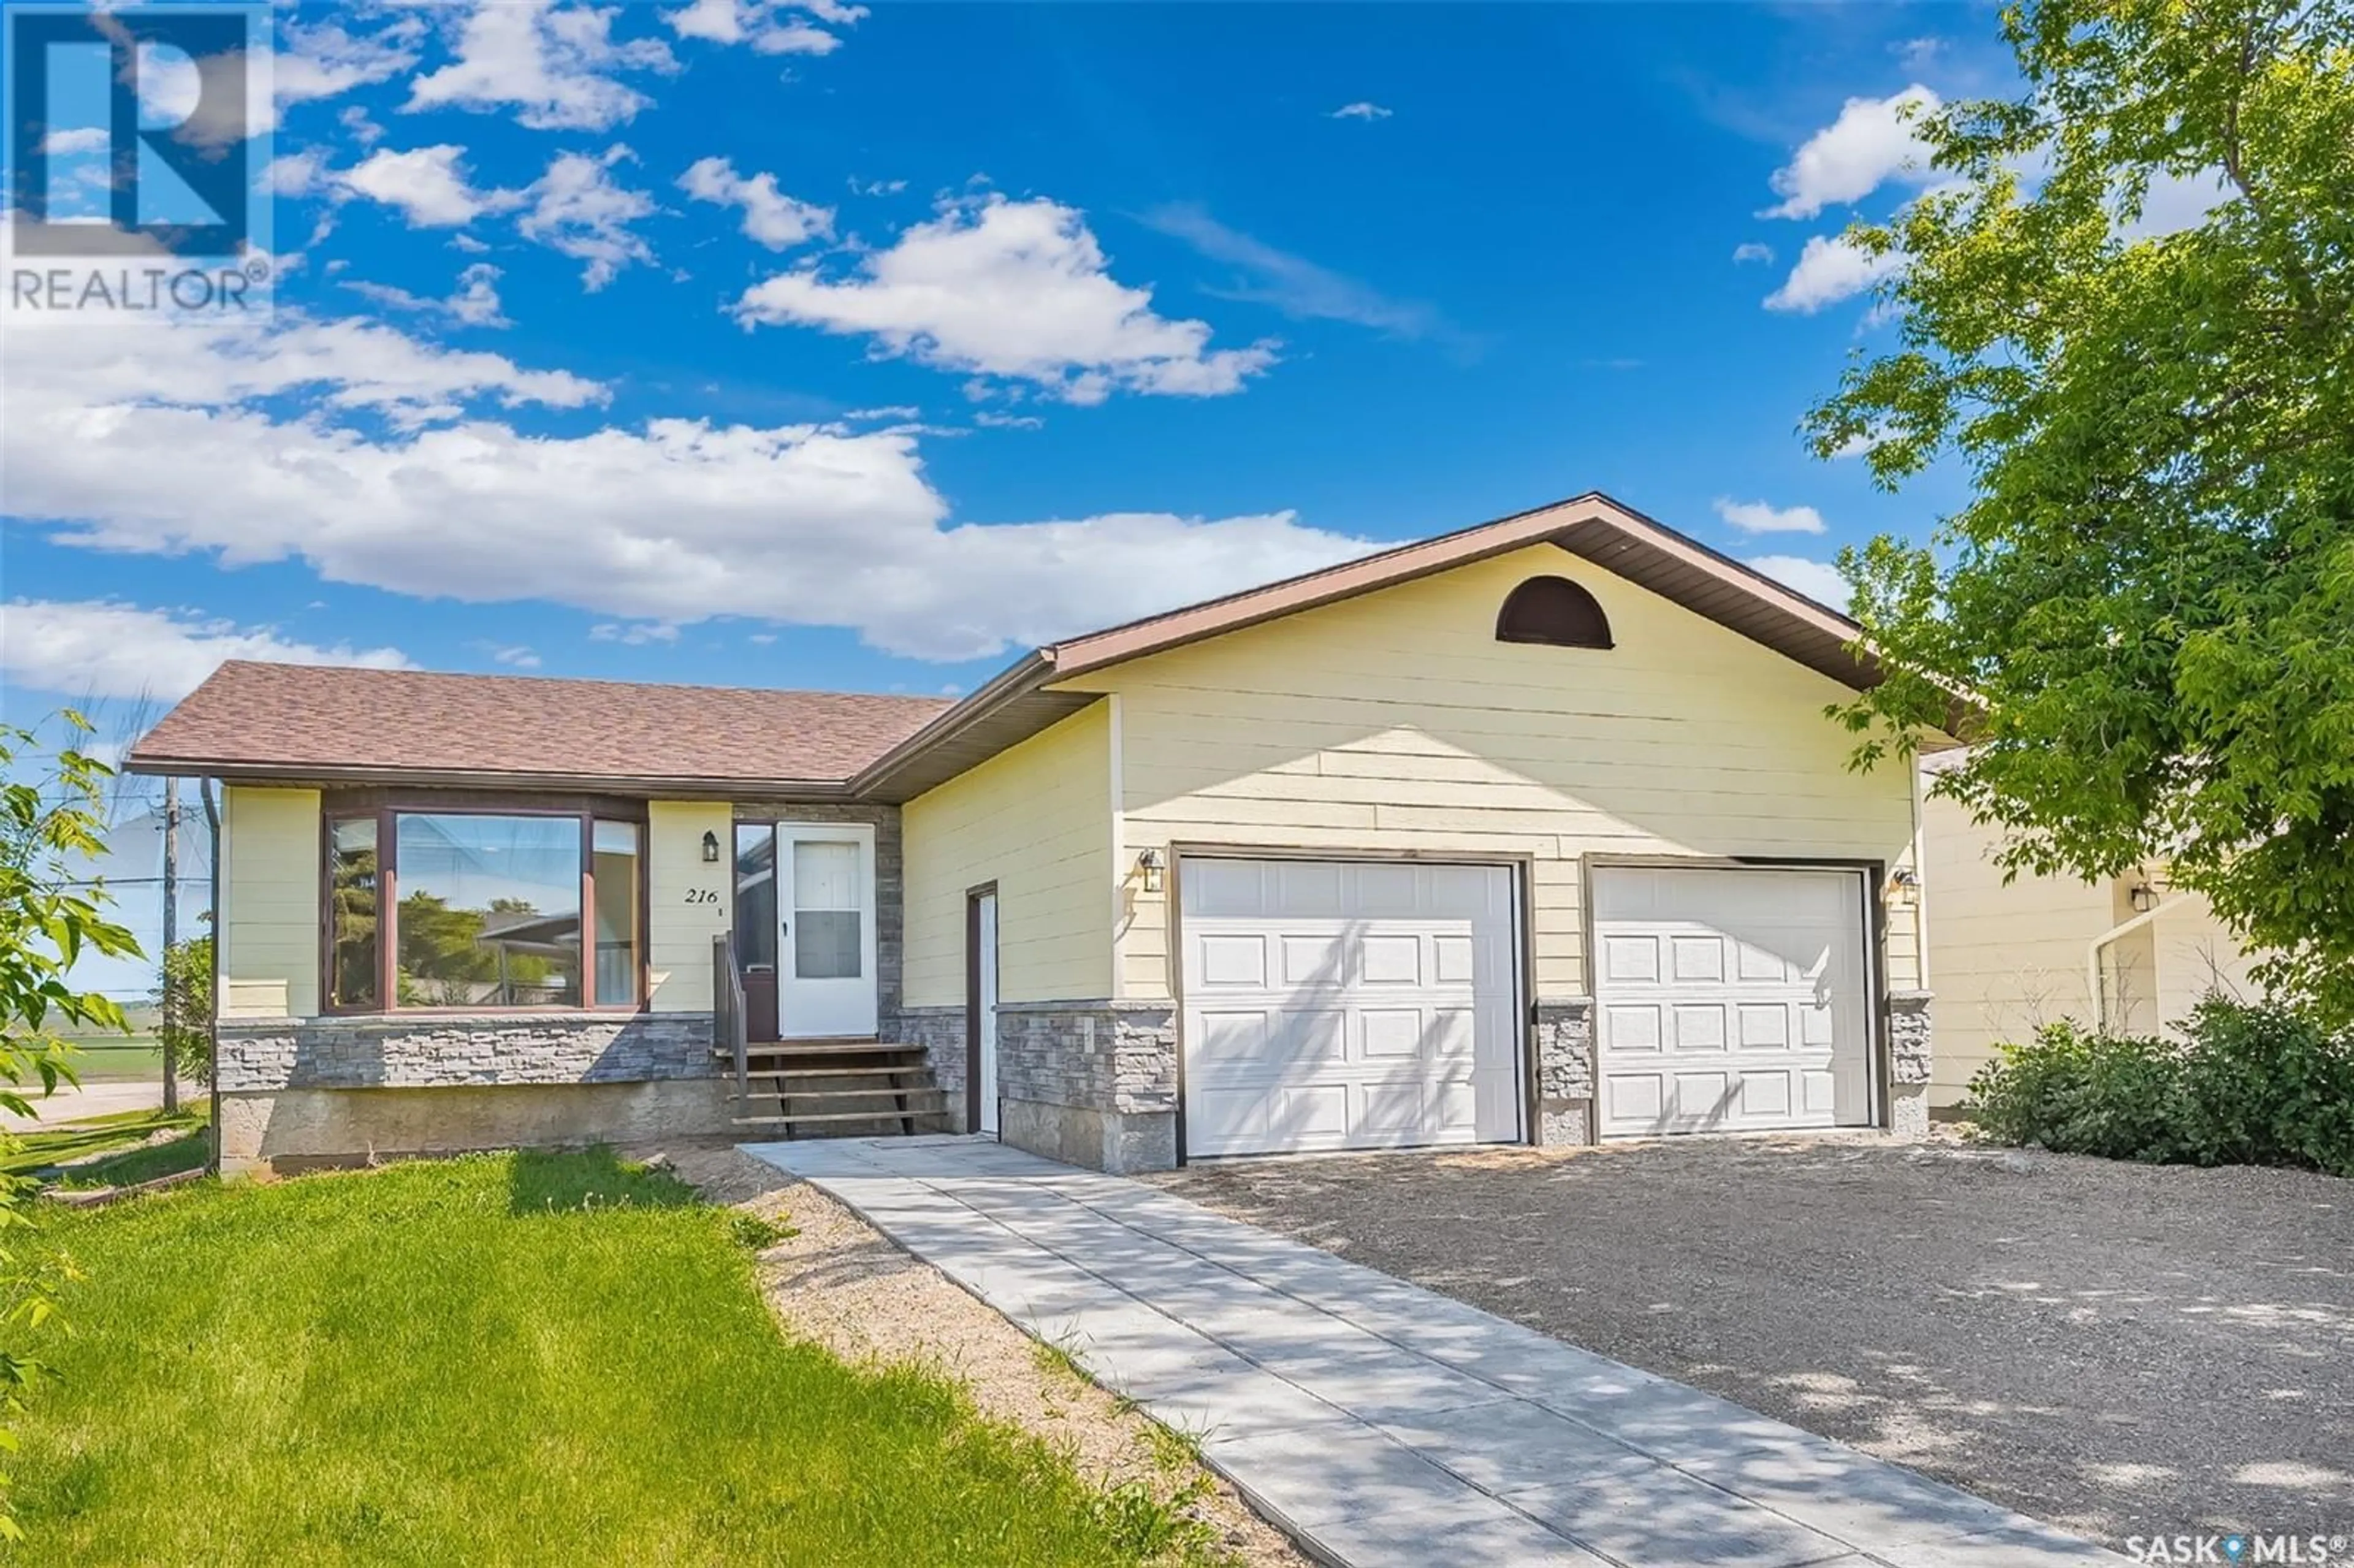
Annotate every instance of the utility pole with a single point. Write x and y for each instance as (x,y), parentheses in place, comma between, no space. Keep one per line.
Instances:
(171,933)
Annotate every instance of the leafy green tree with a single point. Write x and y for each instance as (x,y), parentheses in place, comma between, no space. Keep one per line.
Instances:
(49,828)
(2151,590)
(183,1005)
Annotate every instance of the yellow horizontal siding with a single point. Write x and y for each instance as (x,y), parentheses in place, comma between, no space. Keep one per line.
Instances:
(679,932)
(269,902)
(1036,820)
(1395,722)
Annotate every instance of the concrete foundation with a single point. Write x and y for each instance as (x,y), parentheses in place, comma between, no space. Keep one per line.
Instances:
(1117,1141)
(297,1127)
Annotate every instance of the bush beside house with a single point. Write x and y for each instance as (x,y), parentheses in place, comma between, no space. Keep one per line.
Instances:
(2244,1084)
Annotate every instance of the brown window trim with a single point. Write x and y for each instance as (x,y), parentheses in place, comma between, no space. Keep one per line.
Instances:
(385,808)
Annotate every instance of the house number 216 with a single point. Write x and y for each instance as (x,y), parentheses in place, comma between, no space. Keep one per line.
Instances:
(701,895)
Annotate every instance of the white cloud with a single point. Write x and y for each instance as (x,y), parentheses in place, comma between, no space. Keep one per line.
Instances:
(82,139)
(517,657)
(357,124)
(1753,251)
(633,636)
(875,187)
(556,65)
(2175,202)
(430,184)
(1873,141)
(324,61)
(1293,284)
(183,442)
(1818,581)
(579,210)
(1758,517)
(1018,289)
(1361,110)
(770,217)
(473,302)
(1830,270)
(104,648)
(1917,54)
(990,420)
(771,28)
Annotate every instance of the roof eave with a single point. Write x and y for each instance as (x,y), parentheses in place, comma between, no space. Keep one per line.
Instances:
(300,775)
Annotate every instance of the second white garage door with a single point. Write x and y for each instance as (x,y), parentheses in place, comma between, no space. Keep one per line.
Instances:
(1342,1004)
(1730,1000)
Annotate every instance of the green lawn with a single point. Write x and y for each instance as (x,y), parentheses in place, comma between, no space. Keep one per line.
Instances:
(117,1136)
(512,1359)
(117,1059)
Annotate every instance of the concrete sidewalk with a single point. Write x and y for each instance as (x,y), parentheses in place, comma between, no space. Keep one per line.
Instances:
(75,1102)
(1379,1423)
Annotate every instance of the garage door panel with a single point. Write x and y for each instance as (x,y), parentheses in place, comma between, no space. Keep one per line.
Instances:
(1234,962)
(1333,1005)
(1700,1028)
(1767,1094)
(1758,1007)
(1392,1033)
(1313,959)
(1696,958)
(1631,959)
(1632,1026)
(1389,959)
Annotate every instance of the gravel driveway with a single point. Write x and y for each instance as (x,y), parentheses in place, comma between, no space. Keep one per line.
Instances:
(2120,1350)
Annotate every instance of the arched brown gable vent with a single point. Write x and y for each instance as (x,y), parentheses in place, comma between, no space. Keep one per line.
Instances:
(1554,611)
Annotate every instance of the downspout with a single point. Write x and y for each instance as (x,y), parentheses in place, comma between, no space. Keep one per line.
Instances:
(2092,957)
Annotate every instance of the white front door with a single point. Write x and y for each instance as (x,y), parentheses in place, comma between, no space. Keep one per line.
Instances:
(1344,1004)
(985,1011)
(1730,1000)
(826,940)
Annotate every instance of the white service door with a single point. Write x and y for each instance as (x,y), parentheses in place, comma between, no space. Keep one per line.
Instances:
(825,944)
(1730,1000)
(985,953)
(1342,1004)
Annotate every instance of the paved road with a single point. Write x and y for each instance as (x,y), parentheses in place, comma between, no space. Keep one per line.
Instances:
(71,1103)
(2119,1349)
(1387,1426)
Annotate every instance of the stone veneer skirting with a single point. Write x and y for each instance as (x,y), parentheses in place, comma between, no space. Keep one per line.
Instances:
(1092,1082)
(446,1050)
(1911,1058)
(1564,1047)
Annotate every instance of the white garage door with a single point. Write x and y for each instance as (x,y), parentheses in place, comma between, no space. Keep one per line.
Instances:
(1337,1004)
(1730,1000)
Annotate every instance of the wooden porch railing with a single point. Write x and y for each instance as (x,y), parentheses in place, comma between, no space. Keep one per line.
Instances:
(728,1010)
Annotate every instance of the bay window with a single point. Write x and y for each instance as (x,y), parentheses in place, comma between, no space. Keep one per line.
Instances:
(456,908)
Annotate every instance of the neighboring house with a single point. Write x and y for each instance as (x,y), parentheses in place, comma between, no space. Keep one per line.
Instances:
(1534,832)
(2009,958)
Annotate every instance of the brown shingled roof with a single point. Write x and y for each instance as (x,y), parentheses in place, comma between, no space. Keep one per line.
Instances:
(293,721)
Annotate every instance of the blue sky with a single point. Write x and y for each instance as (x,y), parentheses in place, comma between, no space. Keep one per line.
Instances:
(785,345)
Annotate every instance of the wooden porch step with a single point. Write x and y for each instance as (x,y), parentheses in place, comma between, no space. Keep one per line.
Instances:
(826,1116)
(913,1092)
(834,1073)
(819,1048)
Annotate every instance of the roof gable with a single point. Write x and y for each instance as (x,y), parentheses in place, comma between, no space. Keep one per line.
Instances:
(1023,700)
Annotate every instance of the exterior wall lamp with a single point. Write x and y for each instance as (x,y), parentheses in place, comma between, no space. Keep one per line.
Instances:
(2142,896)
(710,848)
(1903,886)
(1148,869)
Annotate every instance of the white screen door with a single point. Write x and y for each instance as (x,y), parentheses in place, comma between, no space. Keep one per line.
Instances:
(985,964)
(825,947)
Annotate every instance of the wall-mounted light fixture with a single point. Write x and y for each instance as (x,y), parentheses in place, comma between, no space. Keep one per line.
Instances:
(2142,896)
(1148,869)
(1903,886)
(710,849)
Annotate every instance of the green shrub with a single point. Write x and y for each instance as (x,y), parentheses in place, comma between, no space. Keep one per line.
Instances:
(2245,1085)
